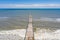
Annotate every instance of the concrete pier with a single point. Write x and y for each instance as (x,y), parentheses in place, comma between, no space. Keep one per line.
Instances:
(29,31)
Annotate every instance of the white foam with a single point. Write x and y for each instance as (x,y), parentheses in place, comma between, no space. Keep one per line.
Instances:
(58,19)
(38,35)
(3,17)
(48,35)
(48,19)
(20,32)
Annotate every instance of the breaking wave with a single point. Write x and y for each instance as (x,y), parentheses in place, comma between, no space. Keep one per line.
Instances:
(48,19)
(47,34)
(39,34)
(3,17)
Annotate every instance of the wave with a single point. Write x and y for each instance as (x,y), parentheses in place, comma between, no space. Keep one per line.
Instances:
(39,34)
(40,19)
(58,19)
(3,17)
(48,19)
(47,34)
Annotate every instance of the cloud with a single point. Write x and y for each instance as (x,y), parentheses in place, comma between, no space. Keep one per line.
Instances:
(29,5)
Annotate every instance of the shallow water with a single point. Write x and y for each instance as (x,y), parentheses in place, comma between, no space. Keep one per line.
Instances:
(18,18)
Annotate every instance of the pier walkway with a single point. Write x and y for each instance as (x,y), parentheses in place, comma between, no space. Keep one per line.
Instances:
(29,32)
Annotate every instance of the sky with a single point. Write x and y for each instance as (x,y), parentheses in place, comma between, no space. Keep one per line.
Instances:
(29,3)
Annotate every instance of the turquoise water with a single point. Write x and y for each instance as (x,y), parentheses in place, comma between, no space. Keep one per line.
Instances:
(18,18)
(36,13)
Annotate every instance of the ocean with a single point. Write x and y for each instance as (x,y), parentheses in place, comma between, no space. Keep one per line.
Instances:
(46,23)
(55,13)
(18,18)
